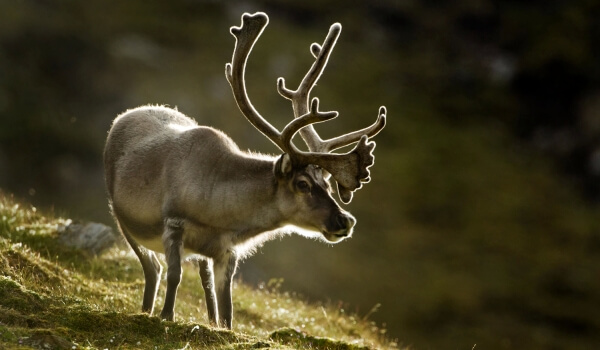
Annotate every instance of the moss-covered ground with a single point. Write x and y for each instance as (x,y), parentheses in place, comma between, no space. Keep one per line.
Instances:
(54,297)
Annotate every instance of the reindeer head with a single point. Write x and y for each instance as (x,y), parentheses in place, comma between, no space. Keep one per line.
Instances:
(304,197)
(350,170)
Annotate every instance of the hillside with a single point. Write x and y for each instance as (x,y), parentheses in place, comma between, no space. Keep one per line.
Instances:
(53,297)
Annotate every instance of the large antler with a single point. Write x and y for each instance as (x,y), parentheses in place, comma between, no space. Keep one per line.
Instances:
(246,36)
(362,153)
(301,96)
(350,170)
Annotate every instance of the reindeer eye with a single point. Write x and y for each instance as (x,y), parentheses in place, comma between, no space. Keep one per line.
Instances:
(303,186)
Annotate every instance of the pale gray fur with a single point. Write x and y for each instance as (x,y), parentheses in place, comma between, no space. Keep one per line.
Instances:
(181,188)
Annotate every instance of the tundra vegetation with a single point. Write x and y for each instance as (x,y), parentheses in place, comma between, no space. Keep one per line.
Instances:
(53,297)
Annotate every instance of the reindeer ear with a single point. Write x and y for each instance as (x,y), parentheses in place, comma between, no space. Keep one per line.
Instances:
(283,165)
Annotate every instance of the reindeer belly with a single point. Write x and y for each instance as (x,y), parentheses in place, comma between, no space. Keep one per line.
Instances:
(152,243)
(205,240)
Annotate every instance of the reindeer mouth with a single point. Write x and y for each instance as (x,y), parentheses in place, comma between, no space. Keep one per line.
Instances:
(336,237)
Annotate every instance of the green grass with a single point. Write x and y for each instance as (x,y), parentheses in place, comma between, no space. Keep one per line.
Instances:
(59,298)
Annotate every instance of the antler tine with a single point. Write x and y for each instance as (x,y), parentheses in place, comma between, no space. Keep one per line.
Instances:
(298,124)
(349,138)
(300,96)
(246,36)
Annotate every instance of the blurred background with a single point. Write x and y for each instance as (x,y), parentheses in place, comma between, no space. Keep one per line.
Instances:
(481,223)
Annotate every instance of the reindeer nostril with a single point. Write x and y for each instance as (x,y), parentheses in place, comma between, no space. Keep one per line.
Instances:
(342,222)
(345,222)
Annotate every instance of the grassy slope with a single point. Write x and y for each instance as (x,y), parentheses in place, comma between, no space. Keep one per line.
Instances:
(53,297)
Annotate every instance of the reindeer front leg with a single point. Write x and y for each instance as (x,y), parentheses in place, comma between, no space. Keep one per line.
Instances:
(172,240)
(208,284)
(224,268)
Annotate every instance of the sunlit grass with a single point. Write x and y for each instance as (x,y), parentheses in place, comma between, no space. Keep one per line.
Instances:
(54,296)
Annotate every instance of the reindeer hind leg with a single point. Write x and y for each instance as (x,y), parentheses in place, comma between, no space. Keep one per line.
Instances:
(151,267)
(172,240)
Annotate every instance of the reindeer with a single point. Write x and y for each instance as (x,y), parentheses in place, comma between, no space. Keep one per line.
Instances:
(181,188)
